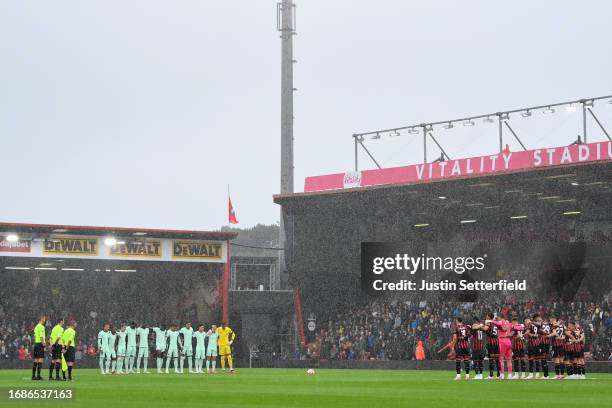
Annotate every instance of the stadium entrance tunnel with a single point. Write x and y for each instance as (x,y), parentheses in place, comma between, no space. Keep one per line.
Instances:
(265,321)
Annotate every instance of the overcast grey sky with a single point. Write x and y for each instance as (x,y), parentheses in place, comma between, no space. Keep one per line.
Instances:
(139,113)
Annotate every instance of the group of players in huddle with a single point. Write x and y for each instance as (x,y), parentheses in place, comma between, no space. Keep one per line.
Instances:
(122,349)
(519,344)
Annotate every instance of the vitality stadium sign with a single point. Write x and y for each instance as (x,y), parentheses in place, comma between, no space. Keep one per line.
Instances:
(469,167)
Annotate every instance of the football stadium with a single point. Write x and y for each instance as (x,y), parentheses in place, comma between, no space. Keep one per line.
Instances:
(482,279)
(538,236)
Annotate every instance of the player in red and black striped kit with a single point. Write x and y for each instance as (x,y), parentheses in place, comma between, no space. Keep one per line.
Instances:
(461,344)
(545,335)
(518,349)
(558,346)
(478,348)
(582,341)
(569,349)
(532,331)
(492,346)
(576,345)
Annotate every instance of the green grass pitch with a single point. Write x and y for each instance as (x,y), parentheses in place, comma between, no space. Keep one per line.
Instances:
(328,388)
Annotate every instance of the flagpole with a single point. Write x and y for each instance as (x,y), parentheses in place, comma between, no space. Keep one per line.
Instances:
(226,271)
(226,278)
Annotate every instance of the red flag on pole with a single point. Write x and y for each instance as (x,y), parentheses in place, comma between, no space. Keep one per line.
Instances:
(231,213)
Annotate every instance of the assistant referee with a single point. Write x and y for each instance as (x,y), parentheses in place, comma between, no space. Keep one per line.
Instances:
(39,348)
(69,341)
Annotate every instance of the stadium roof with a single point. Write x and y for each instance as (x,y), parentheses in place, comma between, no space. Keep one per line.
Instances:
(48,229)
(326,229)
(580,187)
(528,161)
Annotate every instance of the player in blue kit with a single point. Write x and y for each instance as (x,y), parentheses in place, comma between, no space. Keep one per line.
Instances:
(103,348)
(211,350)
(143,349)
(160,347)
(131,348)
(121,348)
(187,351)
(112,354)
(200,349)
(174,343)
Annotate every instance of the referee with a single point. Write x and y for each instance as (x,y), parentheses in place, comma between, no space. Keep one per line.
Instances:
(69,346)
(39,348)
(55,342)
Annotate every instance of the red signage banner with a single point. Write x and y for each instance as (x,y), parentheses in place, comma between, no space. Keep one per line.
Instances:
(468,167)
(16,246)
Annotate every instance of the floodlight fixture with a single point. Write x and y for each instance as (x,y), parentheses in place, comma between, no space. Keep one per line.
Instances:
(110,241)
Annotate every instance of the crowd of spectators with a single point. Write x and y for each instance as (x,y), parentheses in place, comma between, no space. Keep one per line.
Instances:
(392,330)
(90,299)
(379,330)
(567,285)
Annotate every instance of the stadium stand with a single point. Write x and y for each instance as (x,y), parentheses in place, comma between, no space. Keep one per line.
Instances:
(91,299)
(392,330)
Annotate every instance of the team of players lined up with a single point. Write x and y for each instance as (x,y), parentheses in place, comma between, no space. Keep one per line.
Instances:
(122,351)
(519,345)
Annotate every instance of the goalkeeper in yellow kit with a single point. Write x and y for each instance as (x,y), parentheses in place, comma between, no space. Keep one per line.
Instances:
(226,338)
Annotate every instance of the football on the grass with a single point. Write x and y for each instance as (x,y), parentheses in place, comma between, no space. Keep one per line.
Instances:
(310,371)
